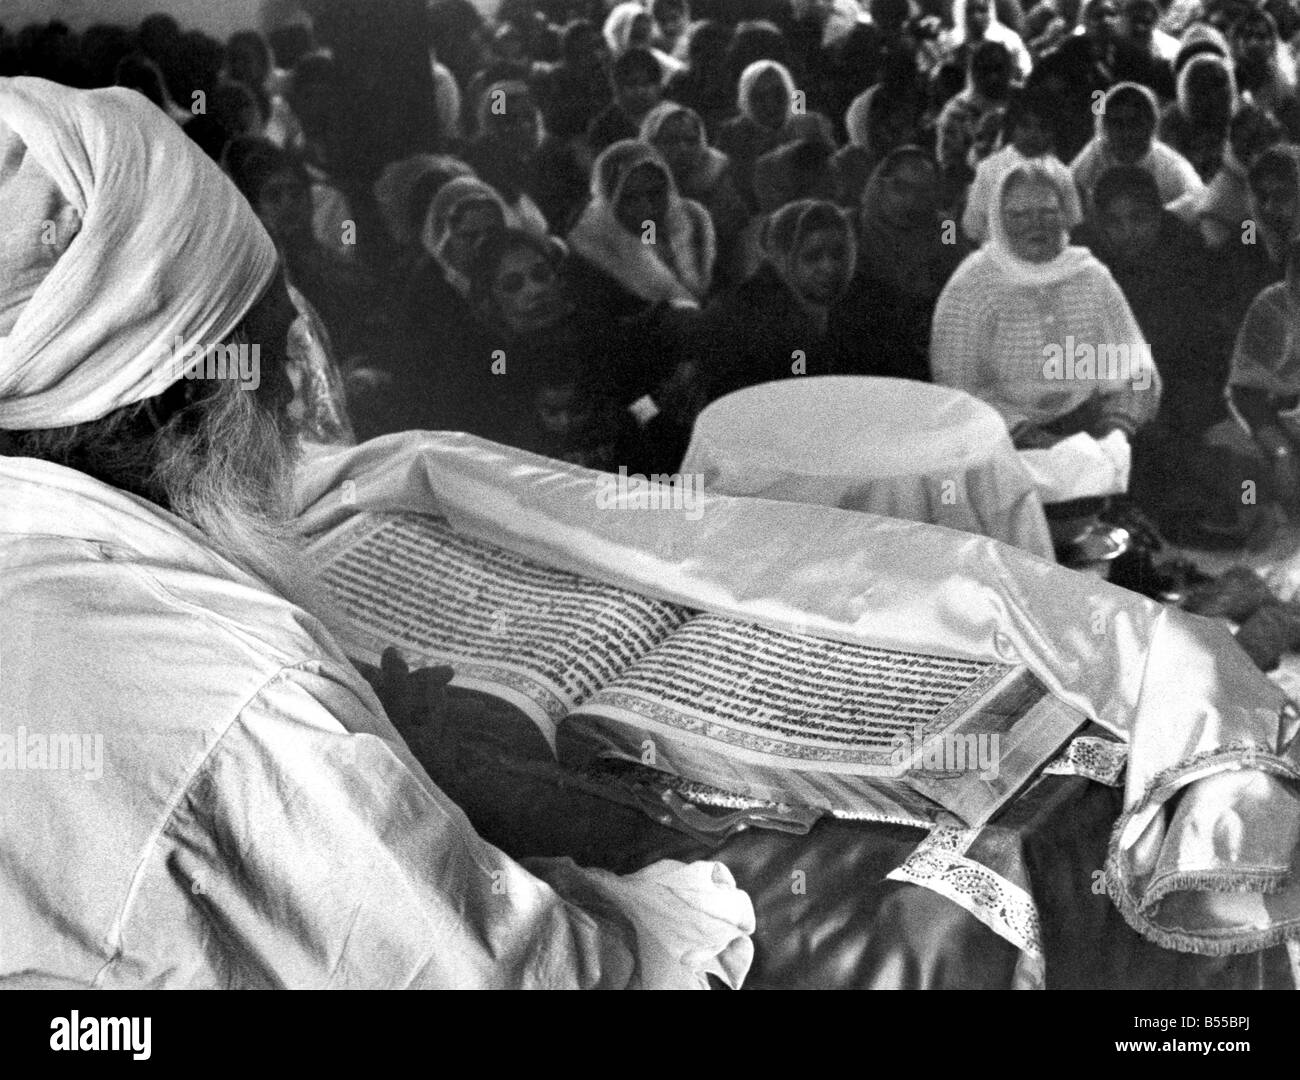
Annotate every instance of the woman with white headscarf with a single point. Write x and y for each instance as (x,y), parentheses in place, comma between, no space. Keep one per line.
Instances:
(504,150)
(1027,135)
(435,381)
(439,327)
(405,188)
(631,26)
(772,114)
(783,320)
(1263,388)
(461,216)
(1039,329)
(1126,135)
(677,132)
(702,173)
(639,242)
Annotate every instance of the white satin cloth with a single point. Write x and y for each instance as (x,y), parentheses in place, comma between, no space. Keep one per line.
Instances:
(1203,856)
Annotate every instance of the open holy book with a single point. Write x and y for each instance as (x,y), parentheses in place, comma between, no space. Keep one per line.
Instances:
(743,708)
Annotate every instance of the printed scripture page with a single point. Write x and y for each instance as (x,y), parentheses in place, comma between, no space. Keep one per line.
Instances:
(542,639)
(819,722)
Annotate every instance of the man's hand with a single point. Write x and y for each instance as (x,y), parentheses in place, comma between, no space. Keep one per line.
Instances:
(410,698)
(441,724)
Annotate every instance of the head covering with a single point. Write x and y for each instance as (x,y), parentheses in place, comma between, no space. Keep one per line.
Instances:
(1072,260)
(1184,79)
(683,278)
(30,197)
(506,87)
(707,42)
(662,113)
(712,163)
(618,26)
(1145,92)
(1266,355)
(168,258)
(911,255)
(750,76)
(786,229)
(1199,40)
(857,118)
(754,40)
(398,184)
(1255,18)
(453,198)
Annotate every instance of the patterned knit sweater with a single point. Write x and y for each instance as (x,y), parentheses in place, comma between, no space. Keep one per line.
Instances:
(1036,353)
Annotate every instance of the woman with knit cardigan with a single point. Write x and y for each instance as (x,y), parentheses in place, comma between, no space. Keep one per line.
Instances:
(1031,325)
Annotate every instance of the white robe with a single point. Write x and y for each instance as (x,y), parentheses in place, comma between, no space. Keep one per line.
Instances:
(255,820)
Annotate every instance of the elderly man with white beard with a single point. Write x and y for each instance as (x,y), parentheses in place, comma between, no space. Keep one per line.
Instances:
(256,820)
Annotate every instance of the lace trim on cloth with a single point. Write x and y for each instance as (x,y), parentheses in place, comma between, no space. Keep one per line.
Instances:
(1101,760)
(1141,910)
(940,864)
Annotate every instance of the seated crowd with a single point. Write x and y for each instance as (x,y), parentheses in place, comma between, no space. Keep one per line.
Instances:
(584,221)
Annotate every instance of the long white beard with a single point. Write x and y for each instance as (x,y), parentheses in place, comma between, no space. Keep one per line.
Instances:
(232,479)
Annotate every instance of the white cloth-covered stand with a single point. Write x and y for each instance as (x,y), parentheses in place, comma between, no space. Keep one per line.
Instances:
(886,446)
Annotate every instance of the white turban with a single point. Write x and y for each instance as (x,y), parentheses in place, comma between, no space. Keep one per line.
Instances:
(166,260)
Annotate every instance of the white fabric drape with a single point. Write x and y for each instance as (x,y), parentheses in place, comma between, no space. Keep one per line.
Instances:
(1202,858)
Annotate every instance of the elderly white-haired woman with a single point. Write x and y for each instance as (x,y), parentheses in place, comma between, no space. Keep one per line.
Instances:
(1039,329)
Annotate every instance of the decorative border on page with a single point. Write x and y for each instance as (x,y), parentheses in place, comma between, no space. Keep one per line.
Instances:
(783,743)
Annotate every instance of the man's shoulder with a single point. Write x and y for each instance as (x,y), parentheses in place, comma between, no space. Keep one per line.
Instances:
(154,629)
